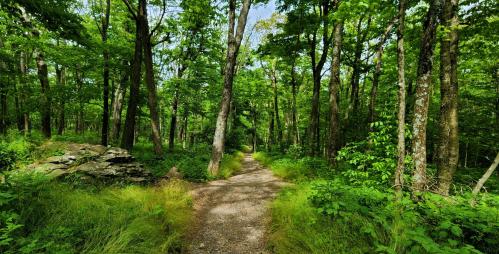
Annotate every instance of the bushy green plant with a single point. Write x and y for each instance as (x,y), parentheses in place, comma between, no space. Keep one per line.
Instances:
(435,226)
(372,162)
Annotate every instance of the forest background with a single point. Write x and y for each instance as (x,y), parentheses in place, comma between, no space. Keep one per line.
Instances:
(359,102)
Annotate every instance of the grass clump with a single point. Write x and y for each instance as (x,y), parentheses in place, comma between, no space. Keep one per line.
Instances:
(263,158)
(231,163)
(299,228)
(45,217)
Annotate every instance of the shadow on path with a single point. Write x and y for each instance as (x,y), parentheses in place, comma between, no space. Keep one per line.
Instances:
(232,215)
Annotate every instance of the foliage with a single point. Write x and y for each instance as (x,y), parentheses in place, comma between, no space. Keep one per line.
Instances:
(372,162)
(329,216)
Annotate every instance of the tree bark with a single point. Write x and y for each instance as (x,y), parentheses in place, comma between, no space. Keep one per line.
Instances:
(119,96)
(233,44)
(128,130)
(334,99)
(425,68)
(399,171)
(448,135)
(151,86)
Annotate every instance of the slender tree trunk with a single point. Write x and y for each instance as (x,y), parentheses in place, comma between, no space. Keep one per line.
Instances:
(119,96)
(173,123)
(62,120)
(486,176)
(233,45)
(425,68)
(448,136)
(334,99)
(184,137)
(316,71)
(276,103)
(254,131)
(3,96)
(128,130)
(295,124)
(271,125)
(376,78)
(46,100)
(399,171)
(151,86)
(105,112)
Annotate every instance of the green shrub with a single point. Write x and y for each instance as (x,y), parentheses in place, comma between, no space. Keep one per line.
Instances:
(438,225)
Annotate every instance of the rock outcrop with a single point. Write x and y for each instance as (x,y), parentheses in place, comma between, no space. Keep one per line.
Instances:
(95,162)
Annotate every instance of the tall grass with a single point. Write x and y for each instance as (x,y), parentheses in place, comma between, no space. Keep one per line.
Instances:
(297,227)
(231,163)
(263,158)
(133,219)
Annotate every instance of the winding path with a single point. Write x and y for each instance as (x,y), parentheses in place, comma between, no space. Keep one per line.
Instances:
(232,216)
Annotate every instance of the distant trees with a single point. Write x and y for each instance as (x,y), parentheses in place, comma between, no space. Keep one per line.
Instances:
(155,71)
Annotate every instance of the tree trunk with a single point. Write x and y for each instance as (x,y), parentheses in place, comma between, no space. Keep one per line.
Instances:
(399,171)
(62,121)
(425,68)
(105,112)
(486,176)
(119,96)
(3,96)
(276,103)
(128,130)
(173,123)
(233,45)
(271,125)
(151,86)
(377,73)
(184,135)
(46,100)
(334,99)
(448,135)
(316,71)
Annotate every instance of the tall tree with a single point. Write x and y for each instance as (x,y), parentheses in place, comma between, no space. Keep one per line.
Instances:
(376,75)
(448,135)
(151,86)
(104,25)
(399,171)
(133,101)
(334,99)
(233,44)
(422,94)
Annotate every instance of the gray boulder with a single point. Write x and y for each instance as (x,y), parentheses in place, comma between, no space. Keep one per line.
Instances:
(130,171)
(116,155)
(98,163)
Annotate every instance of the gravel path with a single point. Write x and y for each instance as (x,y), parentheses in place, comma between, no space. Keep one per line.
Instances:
(232,216)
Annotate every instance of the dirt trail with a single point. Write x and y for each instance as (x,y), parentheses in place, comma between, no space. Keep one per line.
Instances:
(232,216)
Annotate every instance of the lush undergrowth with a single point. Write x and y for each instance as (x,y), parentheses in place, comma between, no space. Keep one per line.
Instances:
(192,163)
(327,212)
(40,216)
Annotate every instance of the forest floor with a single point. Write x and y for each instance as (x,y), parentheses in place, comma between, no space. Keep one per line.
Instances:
(233,216)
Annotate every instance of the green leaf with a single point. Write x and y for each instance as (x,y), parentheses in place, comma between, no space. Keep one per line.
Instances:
(452,242)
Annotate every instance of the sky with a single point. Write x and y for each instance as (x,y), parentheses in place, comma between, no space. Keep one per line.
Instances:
(260,12)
